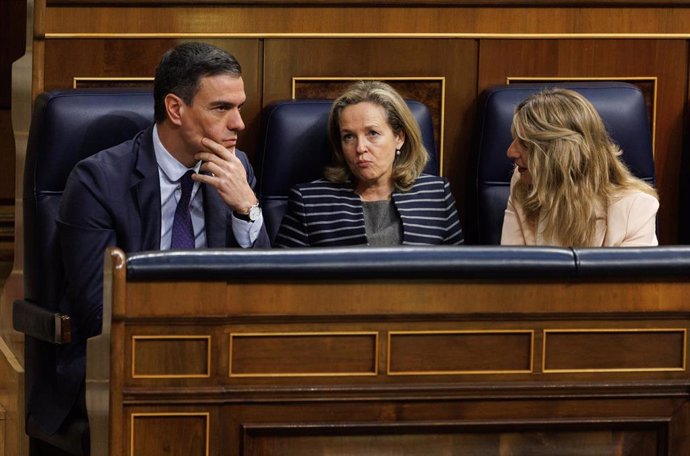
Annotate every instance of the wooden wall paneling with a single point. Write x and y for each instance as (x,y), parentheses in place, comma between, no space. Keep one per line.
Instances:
(577,3)
(303,354)
(614,403)
(460,352)
(424,439)
(120,59)
(404,297)
(157,355)
(666,60)
(13,36)
(676,442)
(501,426)
(171,356)
(285,59)
(365,19)
(155,430)
(13,440)
(625,416)
(684,186)
(7,188)
(614,350)
(7,183)
(454,349)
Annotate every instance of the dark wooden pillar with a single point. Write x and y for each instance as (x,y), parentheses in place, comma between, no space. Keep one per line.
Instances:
(13,37)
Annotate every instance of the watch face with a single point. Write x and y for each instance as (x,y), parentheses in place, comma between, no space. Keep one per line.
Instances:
(254,213)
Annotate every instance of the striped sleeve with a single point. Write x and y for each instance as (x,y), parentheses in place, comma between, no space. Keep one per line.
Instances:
(454,234)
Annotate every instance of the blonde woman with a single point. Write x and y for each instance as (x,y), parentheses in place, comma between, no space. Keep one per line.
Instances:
(570,187)
(375,192)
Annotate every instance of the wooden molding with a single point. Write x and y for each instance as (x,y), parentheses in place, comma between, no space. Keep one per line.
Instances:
(412,3)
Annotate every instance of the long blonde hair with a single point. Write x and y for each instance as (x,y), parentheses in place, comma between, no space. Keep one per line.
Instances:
(575,167)
(413,156)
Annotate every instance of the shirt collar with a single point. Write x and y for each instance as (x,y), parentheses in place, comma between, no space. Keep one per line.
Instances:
(172,169)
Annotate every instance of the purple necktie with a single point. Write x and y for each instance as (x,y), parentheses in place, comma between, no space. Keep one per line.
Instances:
(182,230)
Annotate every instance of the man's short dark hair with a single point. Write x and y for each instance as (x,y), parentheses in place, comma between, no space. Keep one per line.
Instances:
(182,67)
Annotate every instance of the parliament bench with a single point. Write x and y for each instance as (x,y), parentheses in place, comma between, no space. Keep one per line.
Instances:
(409,350)
(70,125)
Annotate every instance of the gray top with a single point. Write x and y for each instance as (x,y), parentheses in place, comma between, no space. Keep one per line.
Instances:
(382,223)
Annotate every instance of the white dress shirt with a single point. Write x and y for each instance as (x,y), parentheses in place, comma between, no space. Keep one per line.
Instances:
(170,171)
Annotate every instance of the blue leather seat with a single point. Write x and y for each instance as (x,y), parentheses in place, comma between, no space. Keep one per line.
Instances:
(622,106)
(295,149)
(66,127)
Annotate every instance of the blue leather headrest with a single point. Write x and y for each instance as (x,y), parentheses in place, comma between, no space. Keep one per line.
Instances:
(295,149)
(66,127)
(622,107)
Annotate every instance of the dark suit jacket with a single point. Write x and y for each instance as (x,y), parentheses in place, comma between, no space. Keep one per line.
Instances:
(111,199)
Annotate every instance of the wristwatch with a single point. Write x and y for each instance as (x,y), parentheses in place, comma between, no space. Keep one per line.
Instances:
(251,216)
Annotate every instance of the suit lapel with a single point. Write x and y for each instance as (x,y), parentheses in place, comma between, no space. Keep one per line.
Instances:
(145,188)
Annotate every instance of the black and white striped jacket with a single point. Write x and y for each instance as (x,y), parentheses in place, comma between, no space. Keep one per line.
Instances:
(321,214)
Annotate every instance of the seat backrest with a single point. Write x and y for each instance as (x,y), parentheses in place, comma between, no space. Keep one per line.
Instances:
(295,149)
(622,107)
(66,127)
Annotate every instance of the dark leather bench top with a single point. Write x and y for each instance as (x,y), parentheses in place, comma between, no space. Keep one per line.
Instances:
(671,261)
(353,262)
(468,262)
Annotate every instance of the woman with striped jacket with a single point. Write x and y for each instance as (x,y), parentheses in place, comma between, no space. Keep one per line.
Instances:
(374,193)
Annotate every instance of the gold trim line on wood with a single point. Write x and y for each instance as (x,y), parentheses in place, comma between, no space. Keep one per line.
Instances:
(441,79)
(315,374)
(653,79)
(206,415)
(374,373)
(510,79)
(296,79)
(178,337)
(296,35)
(684,331)
(462,372)
(77,79)
(609,371)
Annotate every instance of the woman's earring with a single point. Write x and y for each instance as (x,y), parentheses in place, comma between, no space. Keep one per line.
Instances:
(397,152)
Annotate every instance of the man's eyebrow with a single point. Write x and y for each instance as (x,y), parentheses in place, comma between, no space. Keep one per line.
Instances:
(221,104)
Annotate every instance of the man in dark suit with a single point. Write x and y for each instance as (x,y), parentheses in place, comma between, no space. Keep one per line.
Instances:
(139,196)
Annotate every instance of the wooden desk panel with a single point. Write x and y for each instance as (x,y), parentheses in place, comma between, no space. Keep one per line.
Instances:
(426,367)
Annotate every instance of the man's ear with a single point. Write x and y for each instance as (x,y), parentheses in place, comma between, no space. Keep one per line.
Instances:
(174,107)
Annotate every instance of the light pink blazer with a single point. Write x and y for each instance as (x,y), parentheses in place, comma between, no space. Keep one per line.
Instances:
(630,221)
